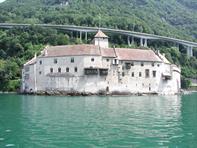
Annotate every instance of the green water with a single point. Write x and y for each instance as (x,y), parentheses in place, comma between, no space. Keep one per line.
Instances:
(83,122)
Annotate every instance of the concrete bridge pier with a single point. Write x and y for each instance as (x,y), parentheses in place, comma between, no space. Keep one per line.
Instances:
(190,51)
(132,40)
(143,42)
(80,35)
(128,40)
(86,36)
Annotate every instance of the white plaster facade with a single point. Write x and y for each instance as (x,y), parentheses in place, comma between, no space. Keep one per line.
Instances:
(92,73)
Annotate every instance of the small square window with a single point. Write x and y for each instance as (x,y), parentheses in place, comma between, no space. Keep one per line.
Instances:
(40,72)
(142,64)
(132,64)
(92,59)
(107,60)
(76,69)
(72,60)
(132,74)
(51,70)
(59,70)
(67,69)
(158,65)
(140,74)
(147,73)
(40,62)
(55,61)
(154,74)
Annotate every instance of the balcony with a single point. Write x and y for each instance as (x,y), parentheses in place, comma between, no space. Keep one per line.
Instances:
(96,71)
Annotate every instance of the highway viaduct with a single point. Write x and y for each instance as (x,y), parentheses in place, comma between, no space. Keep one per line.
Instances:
(144,37)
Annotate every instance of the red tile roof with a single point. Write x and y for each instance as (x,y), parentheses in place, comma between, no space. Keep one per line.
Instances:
(100,34)
(31,62)
(136,54)
(92,50)
(72,50)
(108,52)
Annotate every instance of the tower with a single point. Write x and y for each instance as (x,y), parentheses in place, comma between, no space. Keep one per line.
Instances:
(101,39)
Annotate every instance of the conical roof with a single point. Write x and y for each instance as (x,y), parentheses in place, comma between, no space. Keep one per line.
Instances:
(100,34)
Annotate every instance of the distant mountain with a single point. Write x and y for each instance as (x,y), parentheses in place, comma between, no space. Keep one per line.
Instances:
(176,18)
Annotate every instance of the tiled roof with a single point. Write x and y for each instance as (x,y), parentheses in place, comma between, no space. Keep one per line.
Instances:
(72,50)
(100,34)
(136,54)
(31,62)
(108,52)
(93,50)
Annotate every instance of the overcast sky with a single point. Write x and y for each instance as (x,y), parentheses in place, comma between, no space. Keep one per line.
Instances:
(1,1)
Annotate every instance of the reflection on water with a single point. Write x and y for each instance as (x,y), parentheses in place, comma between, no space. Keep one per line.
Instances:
(154,121)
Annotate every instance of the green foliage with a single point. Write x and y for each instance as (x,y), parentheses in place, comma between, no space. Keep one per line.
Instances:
(174,18)
(19,45)
(185,83)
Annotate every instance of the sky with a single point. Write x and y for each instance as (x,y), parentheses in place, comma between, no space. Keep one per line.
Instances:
(2,1)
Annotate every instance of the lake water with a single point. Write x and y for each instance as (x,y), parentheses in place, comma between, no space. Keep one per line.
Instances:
(97,122)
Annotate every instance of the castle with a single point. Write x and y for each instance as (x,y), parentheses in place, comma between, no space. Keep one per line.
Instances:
(97,68)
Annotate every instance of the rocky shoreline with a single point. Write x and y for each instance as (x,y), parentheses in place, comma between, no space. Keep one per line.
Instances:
(100,93)
(75,93)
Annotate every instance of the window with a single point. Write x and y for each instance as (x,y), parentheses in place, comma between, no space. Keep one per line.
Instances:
(92,59)
(140,74)
(147,73)
(115,62)
(76,69)
(142,64)
(59,70)
(154,74)
(26,76)
(107,60)
(40,62)
(128,65)
(51,70)
(153,64)
(72,60)
(158,65)
(123,74)
(55,61)
(40,72)
(132,64)
(132,74)
(27,69)
(67,69)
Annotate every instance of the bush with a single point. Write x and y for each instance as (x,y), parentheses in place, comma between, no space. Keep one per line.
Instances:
(185,83)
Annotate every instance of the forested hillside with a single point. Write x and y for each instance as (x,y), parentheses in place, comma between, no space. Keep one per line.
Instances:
(174,18)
